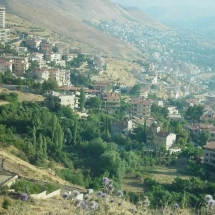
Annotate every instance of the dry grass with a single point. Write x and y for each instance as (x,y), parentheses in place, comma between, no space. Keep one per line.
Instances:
(119,70)
(161,174)
(22,96)
(22,168)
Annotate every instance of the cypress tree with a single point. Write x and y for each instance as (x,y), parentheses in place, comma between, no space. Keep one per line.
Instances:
(40,143)
(34,133)
(75,129)
(82,99)
(44,146)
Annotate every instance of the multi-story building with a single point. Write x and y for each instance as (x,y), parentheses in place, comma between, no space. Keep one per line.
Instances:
(37,55)
(121,127)
(101,86)
(110,102)
(41,74)
(2,17)
(66,100)
(62,77)
(209,154)
(5,65)
(157,138)
(46,46)
(141,107)
(198,128)
(99,63)
(144,93)
(61,49)
(4,32)
(33,42)
(69,57)
(53,57)
(20,66)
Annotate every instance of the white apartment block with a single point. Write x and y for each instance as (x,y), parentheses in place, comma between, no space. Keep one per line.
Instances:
(144,93)
(62,77)
(37,55)
(4,32)
(67,100)
(209,154)
(141,107)
(166,139)
(4,35)
(161,138)
(6,65)
(2,17)
(42,74)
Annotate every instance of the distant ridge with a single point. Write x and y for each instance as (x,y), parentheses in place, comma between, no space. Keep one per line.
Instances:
(66,17)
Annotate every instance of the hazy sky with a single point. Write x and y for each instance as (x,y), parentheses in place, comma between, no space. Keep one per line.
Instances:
(148,3)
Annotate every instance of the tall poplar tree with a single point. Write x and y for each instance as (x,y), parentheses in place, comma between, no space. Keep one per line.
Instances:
(82,99)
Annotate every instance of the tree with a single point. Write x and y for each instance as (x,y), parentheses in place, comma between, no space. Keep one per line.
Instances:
(44,146)
(82,99)
(195,112)
(50,85)
(204,137)
(94,102)
(135,90)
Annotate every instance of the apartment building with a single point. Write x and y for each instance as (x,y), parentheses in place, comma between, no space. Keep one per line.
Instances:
(121,127)
(33,42)
(62,77)
(69,57)
(165,139)
(198,128)
(156,138)
(101,86)
(141,107)
(110,102)
(99,63)
(4,32)
(5,65)
(61,48)
(53,57)
(144,93)
(209,154)
(46,46)
(4,35)
(2,17)
(65,99)
(20,66)
(41,74)
(38,55)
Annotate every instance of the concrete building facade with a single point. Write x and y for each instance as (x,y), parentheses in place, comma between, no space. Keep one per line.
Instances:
(209,154)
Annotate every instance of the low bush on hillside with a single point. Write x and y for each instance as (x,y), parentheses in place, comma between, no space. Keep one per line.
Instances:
(33,188)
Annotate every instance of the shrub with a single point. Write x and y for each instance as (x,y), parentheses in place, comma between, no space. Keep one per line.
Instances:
(6,203)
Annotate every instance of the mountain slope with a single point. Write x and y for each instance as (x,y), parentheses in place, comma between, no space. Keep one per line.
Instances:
(184,16)
(66,17)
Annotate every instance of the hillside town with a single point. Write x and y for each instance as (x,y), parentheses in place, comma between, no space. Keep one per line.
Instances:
(87,126)
(44,59)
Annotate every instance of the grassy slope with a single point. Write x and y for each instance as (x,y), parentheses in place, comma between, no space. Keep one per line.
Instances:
(161,174)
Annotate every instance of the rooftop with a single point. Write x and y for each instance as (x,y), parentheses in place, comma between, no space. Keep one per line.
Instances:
(141,101)
(163,134)
(210,145)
